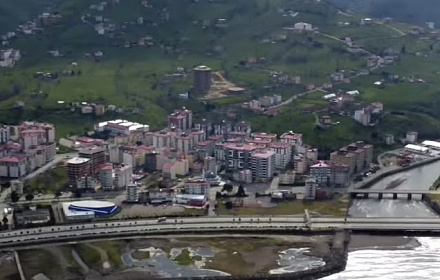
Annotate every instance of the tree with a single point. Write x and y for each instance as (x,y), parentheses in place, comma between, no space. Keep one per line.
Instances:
(229,205)
(78,193)
(14,196)
(5,220)
(218,195)
(403,50)
(228,188)
(58,193)
(240,191)
(29,197)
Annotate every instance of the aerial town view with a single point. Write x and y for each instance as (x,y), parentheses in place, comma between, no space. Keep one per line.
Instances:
(219,139)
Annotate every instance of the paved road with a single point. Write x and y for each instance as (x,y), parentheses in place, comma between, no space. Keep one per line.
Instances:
(58,158)
(211,224)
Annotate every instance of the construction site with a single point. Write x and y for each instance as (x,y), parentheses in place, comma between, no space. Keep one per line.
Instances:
(220,88)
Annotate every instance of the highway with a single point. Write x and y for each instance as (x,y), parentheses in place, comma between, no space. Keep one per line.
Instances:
(52,234)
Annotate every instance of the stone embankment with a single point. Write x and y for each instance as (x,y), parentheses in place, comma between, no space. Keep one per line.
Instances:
(377,177)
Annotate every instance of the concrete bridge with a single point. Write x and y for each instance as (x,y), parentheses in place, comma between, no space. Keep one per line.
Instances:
(368,193)
(211,225)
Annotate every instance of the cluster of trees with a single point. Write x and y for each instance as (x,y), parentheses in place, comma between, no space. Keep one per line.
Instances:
(228,188)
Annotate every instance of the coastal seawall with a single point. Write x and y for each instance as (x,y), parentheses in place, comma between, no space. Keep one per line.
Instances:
(378,177)
(334,262)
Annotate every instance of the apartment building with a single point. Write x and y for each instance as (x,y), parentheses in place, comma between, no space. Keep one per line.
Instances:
(263,135)
(33,134)
(262,165)
(357,156)
(238,156)
(132,193)
(283,153)
(5,134)
(294,139)
(106,176)
(181,119)
(123,176)
(96,155)
(13,166)
(197,186)
(78,167)
(330,174)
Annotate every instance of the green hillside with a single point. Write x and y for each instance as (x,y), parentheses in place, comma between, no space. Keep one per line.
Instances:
(223,34)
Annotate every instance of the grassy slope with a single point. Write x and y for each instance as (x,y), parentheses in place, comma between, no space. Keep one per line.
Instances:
(131,77)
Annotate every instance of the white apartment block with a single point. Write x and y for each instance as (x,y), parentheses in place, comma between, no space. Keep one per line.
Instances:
(263,165)
(132,193)
(283,154)
(123,176)
(5,134)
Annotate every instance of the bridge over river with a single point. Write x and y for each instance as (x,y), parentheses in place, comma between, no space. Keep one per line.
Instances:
(377,193)
(287,224)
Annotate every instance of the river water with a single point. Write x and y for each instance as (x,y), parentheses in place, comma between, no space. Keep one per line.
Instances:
(420,178)
(421,263)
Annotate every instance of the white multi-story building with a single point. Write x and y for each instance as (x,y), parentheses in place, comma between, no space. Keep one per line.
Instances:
(262,164)
(163,139)
(283,154)
(330,174)
(33,134)
(184,142)
(294,139)
(123,176)
(311,188)
(85,182)
(197,186)
(132,193)
(362,116)
(13,166)
(5,134)
(287,178)
(106,176)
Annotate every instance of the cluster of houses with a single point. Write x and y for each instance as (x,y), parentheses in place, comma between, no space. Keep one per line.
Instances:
(343,165)
(344,104)
(25,147)
(105,27)
(9,58)
(262,103)
(186,147)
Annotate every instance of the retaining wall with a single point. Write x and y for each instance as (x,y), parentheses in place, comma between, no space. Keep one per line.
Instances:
(379,177)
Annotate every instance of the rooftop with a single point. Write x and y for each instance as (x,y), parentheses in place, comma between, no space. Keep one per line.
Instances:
(77,160)
(263,155)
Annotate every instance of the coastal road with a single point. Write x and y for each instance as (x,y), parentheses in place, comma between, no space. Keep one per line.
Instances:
(52,234)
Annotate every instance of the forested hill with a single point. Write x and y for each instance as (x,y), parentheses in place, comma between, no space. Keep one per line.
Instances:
(410,11)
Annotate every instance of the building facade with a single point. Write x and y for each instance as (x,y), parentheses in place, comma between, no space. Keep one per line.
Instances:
(197,186)
(78,167)
(329,174)
(263,165)
(202,79)
(96,155)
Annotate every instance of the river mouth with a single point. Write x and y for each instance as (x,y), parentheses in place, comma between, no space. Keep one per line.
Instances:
(192,256)
(202,257)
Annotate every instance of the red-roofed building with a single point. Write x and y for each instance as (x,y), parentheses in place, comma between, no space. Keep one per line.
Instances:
(330,174)
(33,134)
(262,164)
(294,139)
(283,153)
(13,167)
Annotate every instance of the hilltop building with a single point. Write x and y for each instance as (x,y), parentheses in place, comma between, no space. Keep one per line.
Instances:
(202,79)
